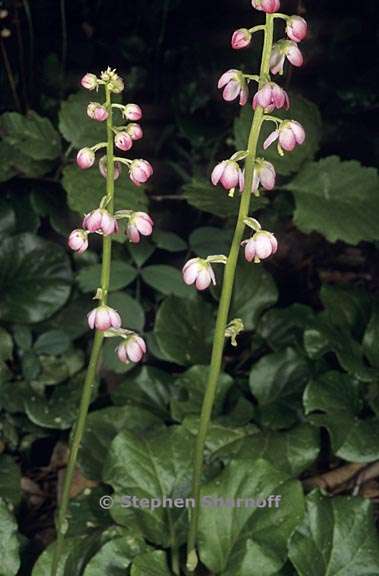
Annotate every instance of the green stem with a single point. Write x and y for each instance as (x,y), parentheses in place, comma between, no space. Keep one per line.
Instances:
(62,522)
(224,305)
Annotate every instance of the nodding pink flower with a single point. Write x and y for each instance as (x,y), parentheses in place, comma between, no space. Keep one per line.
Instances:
(89,81)
(241,38)
(296,28)
(282,50)
(135,131)
(261,245)
(271,96)
(140,171)
(234,84)
(132,112)
(104,171)
(289,134)
(97,112)
(199,272)
(139,223)
(85,158)
(227,173)
(78,240)
(264,174)
(123,141)
(133,349)
(268,6)
(100,221)
(103,318)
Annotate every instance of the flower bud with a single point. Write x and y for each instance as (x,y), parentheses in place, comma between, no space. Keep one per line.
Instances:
(282,50)
(227,173)
(135,131)
(296,28)
(132,349)
(123,141)
(139,223)
(97,112)
(85,158)
(132,112)
(78,240)
(100,221)
(234,84)
(199,272)
(89,81)
(261,245)
(103,318)
(268,6)
(264,174)
(140,171)
(103,168)
(271,96)
(241,38)
(289,134)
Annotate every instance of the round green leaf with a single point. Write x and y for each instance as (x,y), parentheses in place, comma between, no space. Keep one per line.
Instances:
(168,280)
(9,543)
(122,274)
(168,241)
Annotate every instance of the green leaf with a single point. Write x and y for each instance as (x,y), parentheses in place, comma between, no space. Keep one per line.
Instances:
(141,252)
(371,336)
(247,540)
(73,317)
(9,544)
(347,307)
(329,187)
(76,552)
(151,564)
(282,327)
(129,309)
(14,161)
(210,240)
(168,241)
(10,480)
(34,135)
(168,280)
(122,274)
(74,124)
(115,556)
(183,329)
(6,345)
(333,401)
(35,279)
(52,342)
(336,537)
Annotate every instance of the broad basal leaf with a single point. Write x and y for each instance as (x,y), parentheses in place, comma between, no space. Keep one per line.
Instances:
(9,544)
(76,127)
(152,564)
(115,556)
(168,280)
(122,274)
(34,135)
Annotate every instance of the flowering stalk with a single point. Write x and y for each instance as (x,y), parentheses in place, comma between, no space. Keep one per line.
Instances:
(262,244)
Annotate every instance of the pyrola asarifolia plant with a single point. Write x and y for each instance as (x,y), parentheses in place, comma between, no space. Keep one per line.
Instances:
(104,221)
(257,174)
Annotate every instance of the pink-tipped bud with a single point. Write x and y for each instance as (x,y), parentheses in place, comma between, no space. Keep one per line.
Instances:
(271,96)
(103,318)
(234,85)
(135,131)
(140,171)
(89,81)
(78,240)
(296,28)
(85,158)
(226,173)
(268,6)
(139,223)
(123,141)
(133,349)
(132,112)
(199,272)
(241,39)
(289,135)
(264,175)
(104,171)
(260,246)
(282,50)
(100,221)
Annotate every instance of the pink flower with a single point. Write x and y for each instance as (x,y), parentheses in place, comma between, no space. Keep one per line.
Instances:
(199,272)
(78,240)
(123,141)
(103,318)
(132,349)
(296,28)
(227,173)
(289,134)
(271,96)
(97,112)
(264,174)
(260,246)
(139,223)
(282,50)
(268,6)
(103,168)
(85,158)
(89,81)
(135,131)
(100,221)
(140,171)
(241,38)
(234,84)
(132,112)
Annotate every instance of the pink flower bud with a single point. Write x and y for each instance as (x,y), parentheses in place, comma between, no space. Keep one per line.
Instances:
(282,50)
(241,38)
(261,245)
(100,221)
(123,141)
(103,168)
(132,112)
(78,240)
(85,158)
(89,81)
(135,131)
(140,171)
(227,173)
(97,112)
(268,6)
(264,174)
(296,28)
(103,318)
(139,223)
(271,96)
(199,272)
(132,349)
(289,134)
(234,84)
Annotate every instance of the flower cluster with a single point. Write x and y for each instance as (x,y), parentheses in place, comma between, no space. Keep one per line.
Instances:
(288,133)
